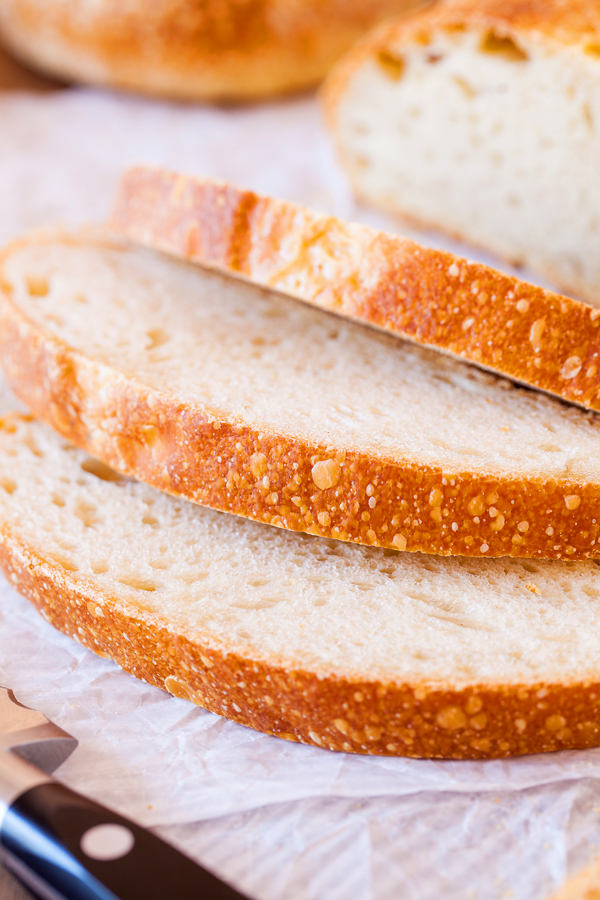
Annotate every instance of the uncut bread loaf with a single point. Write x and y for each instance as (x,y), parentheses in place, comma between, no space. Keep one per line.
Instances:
(482,118)
(343,646)
(429,296)
(192,49)
(250,402)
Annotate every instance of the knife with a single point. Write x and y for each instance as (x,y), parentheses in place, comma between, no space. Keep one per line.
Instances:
(62,845)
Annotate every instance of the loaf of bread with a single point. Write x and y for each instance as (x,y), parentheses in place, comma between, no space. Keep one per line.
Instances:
(429,296)
(191,49)
(250,402)
(482,118)
(346,647)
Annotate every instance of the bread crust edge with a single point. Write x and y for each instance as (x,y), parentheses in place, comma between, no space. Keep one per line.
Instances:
(237,467)
(432,297)
(349,714)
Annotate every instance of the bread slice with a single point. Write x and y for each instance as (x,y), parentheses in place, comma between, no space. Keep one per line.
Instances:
(214,49)
(347,647)
(434,298)
(482,118)
(252,403)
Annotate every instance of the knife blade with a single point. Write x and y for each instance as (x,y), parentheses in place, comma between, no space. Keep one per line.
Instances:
(64,846)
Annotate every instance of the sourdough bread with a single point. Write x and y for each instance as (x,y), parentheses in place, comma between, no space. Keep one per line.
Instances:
(482,118)
(434,298)
(346,647)
(250,402)
(214,49)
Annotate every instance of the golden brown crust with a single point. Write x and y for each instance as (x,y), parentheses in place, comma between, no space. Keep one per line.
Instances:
(562,21)
(195,49)
(234,466)
(411,719)
(429,296)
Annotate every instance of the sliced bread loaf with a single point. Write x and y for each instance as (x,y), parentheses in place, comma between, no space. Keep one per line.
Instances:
(346,647)
(253,403)
(482,118)
(434,298)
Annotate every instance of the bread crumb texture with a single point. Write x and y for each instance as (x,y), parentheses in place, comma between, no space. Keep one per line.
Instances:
(215,49)
(249,402)
(540,338)
(514,88)
(345,647)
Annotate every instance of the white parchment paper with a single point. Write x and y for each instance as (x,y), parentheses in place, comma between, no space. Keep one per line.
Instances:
(280,820)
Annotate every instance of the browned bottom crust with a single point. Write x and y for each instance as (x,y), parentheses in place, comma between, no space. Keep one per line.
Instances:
(418,720)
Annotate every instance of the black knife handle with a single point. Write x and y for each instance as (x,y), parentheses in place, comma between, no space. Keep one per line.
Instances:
(66,847)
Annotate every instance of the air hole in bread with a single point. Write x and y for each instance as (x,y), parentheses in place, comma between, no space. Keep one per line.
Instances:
(37,286)
(30,442)
(158,564)
(100,567)
(86,512)
(100,470)
(192,578)
(149,520)
(138,583)
(156,338)
(391,64)
(467,89)
(58,499)
(503,47)
(63,562)
(9,485)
